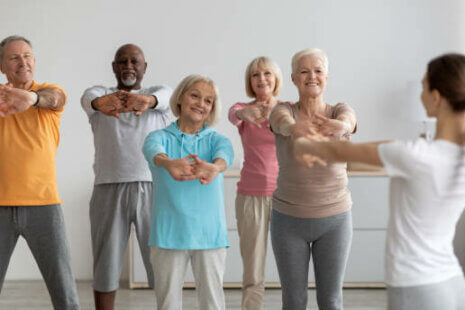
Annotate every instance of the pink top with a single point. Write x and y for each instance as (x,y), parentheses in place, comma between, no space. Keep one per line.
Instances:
(260,168)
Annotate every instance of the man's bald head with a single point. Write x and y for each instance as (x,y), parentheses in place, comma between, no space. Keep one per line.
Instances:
(129,66)
(129,48)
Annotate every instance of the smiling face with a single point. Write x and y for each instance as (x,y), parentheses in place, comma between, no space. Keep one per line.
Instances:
(197,103)
(129,67)
(263,82)
(310,76)
(18,63)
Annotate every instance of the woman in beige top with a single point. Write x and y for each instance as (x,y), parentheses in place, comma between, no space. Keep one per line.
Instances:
(311,206)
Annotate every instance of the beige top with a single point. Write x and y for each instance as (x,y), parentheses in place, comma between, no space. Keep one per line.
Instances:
(310,192)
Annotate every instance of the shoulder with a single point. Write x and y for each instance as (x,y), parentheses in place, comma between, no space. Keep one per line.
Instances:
(99,89)
(405,149)
(217,136)
(152,89)
(37,86)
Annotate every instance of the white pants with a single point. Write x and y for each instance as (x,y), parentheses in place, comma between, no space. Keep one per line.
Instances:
(169,268)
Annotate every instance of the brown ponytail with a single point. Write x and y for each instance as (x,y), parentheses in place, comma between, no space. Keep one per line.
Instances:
(446,74)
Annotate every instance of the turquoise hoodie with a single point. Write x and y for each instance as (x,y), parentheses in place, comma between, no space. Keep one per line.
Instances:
(187,214)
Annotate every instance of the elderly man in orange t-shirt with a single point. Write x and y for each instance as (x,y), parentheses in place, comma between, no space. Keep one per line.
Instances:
(29,201)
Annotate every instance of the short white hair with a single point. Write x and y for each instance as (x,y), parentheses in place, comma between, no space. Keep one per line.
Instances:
(184,86)
(315,52)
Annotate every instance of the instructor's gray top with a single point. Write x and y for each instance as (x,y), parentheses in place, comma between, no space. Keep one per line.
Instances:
(118,142)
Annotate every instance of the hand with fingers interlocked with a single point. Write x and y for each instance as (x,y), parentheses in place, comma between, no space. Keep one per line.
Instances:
(15,100)
(181,169)
(328,127)
(301,146)
(123,102)
(139,103)
(111,104)
(255,113)
(204,171)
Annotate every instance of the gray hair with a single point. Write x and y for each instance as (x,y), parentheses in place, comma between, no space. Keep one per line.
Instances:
(11,39)
(315,52)
(184,86)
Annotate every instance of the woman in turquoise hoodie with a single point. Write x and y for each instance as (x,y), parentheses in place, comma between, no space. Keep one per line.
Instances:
(187,159)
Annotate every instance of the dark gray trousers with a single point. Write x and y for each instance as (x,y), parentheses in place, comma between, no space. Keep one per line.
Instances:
(328,241)
(43,228)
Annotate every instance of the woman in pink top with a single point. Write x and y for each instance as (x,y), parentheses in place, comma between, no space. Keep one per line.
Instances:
(263,80)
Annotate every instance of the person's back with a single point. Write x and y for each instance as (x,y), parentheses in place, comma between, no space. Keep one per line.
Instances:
(427,199)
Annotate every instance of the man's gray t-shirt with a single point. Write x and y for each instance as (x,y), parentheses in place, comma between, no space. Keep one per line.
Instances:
(118,142)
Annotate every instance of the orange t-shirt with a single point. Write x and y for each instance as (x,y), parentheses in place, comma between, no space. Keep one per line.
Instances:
(28,144)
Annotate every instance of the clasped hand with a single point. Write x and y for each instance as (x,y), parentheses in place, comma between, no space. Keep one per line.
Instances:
(191,168)
(316,129)
(122,102)
(14,100)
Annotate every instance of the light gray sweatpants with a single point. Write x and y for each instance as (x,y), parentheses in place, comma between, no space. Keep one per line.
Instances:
(328,241)
(113,207)
(170,267)
(446,295)
(43,228)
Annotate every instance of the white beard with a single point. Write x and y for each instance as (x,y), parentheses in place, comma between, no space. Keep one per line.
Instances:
(129,81)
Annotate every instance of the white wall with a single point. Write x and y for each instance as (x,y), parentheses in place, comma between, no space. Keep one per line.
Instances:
(376,49)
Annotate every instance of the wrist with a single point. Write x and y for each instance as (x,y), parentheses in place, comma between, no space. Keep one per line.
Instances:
(94,104)
(153,101)
(35,98)
(239,114)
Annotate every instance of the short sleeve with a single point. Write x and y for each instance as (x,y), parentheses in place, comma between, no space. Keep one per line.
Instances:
(154,145)
(222,148)
(400,158)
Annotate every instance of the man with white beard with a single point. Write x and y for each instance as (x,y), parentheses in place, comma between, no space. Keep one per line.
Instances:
(121,117)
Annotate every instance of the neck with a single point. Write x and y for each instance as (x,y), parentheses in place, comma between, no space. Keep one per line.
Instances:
(188,126)
(121,86)
(451,127)
(311,105)
(25,85)
(265,98)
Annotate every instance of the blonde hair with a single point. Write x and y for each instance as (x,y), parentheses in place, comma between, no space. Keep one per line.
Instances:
(184,86)
(263,62)
(315,52)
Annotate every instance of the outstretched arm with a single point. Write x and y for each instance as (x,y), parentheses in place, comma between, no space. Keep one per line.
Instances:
(338,151)
(15,100)
(180,169)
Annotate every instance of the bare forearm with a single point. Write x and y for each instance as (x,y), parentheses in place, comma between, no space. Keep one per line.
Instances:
(161,160)
(220,164)
(349,123)
(51,98)
(343,151)
(282,122)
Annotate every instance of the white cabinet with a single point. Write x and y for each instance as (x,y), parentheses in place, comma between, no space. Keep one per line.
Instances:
(366,260)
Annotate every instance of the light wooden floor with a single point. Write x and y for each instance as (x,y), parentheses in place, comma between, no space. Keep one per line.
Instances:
(33,295)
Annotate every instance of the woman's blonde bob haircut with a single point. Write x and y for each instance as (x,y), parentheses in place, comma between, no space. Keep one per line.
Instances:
(184,86)
(263,63)
(315,52)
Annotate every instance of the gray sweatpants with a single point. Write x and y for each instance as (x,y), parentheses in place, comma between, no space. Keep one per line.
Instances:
(43,228)
(328,240)
(113,207)
(446,295)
